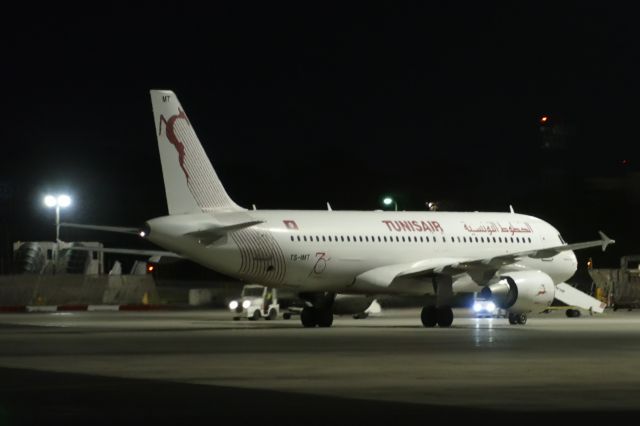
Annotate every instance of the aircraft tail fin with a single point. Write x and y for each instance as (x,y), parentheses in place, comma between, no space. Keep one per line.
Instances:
(191,183)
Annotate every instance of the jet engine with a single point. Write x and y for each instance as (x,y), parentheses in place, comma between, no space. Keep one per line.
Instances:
(521,291)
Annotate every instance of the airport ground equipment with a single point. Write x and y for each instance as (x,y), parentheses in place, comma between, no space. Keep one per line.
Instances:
(48,257)
(256,302)
(619,288)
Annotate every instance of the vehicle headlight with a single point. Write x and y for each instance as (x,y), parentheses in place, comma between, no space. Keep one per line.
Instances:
(477,306)
(246,304)
(491,306)
(233,305)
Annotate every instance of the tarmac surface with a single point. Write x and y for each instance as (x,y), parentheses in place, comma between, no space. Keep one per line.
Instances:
(187,366)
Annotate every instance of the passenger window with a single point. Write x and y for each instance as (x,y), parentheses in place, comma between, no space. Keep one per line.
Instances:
(385,239)
(511,239)
(323,239)
(348,239)
(305,238)
(398,239)
(329,238)
(360,239)
(476,239)
(292,238)
(464,239)
(342,238)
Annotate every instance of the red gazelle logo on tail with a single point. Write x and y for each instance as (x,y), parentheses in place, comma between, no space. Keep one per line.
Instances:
(173,138)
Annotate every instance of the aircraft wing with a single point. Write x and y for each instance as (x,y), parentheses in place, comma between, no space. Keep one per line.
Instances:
(119,229)
(480,270)
(140,252)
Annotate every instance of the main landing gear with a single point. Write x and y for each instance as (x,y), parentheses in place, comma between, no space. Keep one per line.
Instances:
(517,319)
(318,311)
(441,315)
(311,317)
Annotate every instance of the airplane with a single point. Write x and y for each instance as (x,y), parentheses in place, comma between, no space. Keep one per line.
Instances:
(513,259)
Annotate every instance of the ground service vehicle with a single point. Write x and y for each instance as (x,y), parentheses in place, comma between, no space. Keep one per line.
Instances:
(256,302)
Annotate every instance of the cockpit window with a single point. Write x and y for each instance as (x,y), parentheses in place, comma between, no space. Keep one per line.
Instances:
(562,239)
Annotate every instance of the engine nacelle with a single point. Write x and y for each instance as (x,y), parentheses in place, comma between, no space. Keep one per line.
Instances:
(521,291)
(347,304)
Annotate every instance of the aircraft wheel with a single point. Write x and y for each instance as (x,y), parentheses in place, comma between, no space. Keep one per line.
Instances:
(429,316)
(308,317)
(273,314)
(445,316)
(513,319)
(522,319)
(572,313)
(325,318)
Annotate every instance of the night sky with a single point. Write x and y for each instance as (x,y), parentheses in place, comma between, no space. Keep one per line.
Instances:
(298,106)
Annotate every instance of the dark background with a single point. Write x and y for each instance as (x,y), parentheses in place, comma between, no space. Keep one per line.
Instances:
(299,105)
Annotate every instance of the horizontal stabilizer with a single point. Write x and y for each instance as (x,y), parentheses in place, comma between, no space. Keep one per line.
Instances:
(574,297)
(209,235)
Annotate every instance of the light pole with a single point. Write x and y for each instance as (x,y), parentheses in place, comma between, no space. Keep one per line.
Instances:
(57,202)
(387,201)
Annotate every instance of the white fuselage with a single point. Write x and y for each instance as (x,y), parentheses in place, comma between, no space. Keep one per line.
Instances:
(327,250)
